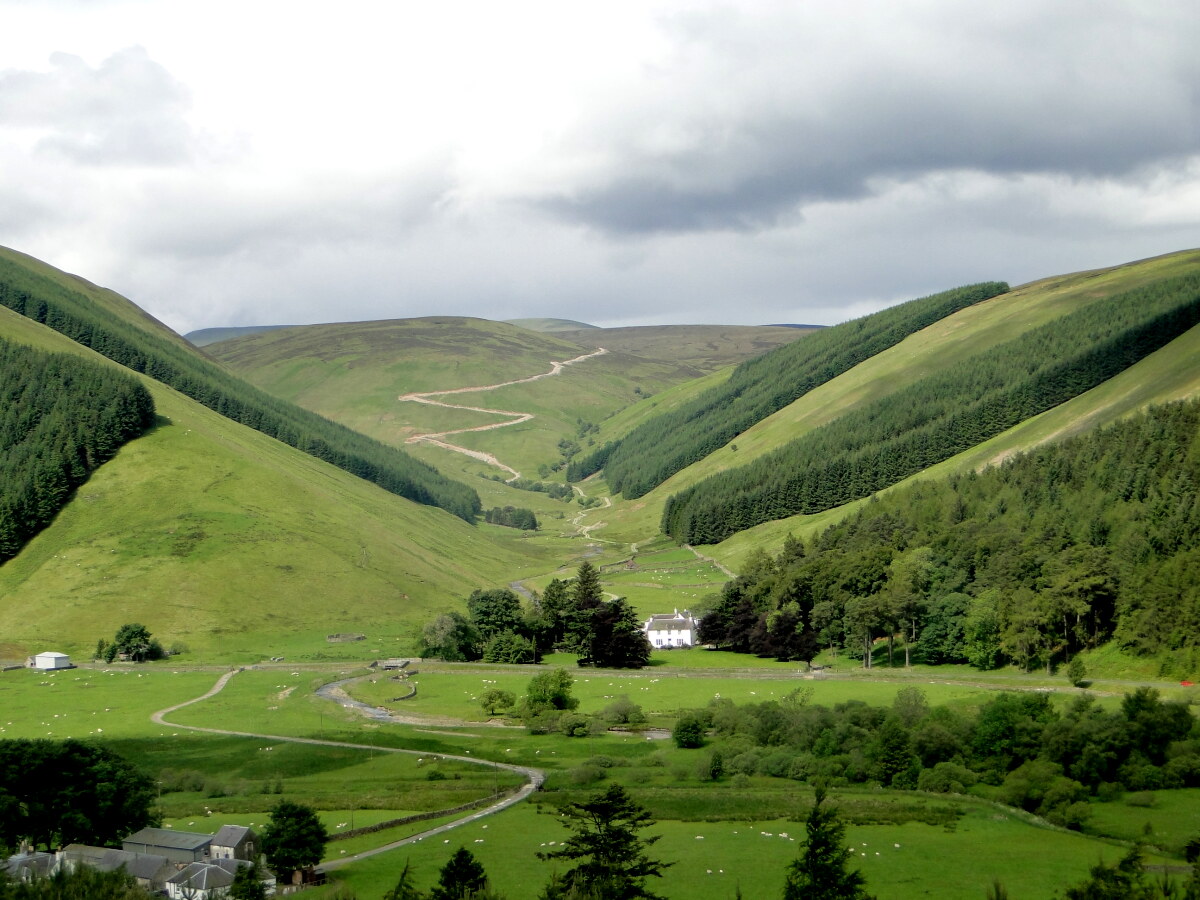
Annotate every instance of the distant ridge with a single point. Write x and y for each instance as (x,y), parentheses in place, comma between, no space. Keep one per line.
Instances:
(791,325)
(549,325)
(204,336)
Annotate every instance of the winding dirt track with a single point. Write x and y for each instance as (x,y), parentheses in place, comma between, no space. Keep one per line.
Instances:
(534,777)
(437,438)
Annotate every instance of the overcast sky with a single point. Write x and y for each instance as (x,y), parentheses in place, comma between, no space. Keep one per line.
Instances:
(621,163)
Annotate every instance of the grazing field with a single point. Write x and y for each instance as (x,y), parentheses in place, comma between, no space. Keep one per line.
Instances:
(721,835)
(714,859)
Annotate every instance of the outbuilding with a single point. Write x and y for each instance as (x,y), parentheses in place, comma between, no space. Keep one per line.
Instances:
(52,660)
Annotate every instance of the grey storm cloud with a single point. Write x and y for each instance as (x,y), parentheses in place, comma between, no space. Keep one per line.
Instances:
(129,110)
(779,111)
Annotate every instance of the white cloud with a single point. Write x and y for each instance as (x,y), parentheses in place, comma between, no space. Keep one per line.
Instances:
(229,163)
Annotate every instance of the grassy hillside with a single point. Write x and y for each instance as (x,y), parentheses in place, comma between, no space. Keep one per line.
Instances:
(706,347)
(216,536)
(205,336)
(53,298)
(549,325)
(354,373)
(950,341)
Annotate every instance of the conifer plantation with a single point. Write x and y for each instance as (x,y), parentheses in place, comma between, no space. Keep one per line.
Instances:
(655,451)
(942,415)
(1055,551)
(72,314)
(61,417)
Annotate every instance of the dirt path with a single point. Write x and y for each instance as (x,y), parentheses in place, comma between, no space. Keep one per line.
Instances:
(437,438)
(534,777)
(709,559)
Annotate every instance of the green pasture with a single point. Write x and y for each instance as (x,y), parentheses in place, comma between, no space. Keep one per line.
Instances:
(1166,819)
(711,860)
(660,691)
(336,821)
(97,704)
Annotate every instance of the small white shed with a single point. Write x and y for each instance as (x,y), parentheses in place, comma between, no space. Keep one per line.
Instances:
(52,660)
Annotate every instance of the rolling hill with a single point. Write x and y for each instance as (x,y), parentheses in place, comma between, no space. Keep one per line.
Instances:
(1170,373)
(354,373)
(225,540)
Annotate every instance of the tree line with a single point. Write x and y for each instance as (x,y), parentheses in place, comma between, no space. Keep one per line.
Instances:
(1018,749)
(570,615)
(71,313)
(61,417)
(939,416)
(1053,552)
(512,517)
(657,449)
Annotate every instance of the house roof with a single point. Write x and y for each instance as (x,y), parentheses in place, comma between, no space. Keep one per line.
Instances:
(202,876)
(169,838)
(83,852)
(230,835)
(139,865)
(676,618)
(54,654)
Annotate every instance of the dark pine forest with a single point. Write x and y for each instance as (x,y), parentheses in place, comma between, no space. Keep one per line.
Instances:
(61,417)
(656,450)
(930,421)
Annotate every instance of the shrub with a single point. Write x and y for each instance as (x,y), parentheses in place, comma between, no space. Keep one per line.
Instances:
(689,731)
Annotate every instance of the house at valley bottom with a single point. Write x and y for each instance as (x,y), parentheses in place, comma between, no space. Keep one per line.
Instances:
(665,630)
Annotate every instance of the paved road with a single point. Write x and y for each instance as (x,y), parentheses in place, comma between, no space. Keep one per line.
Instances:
(534,777)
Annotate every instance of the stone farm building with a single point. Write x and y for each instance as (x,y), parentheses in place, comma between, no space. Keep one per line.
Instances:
(677,629)
(183,865)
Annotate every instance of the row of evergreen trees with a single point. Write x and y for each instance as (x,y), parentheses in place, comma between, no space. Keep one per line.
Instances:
(939,416)
(656,450)
(72,314)
(1053,552)
(61,417)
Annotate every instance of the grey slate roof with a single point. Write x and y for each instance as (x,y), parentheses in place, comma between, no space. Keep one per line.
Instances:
(168,837)
(139,865)
(202,876)
(230,835)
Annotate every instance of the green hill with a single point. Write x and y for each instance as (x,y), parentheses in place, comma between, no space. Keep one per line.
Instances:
(218,537)
(354,373)
(549,325)
(117,329)
(954,340)
(205,336)
(659,448)
(705,347)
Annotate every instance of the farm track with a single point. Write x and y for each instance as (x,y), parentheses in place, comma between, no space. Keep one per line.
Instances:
(437,438)
(535,777)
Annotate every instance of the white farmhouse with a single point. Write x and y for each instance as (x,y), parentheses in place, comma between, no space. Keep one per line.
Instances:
(677,629)
(51,660)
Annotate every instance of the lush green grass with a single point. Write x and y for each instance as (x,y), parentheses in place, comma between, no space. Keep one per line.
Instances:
(1166,819)
(970,846)
(107,704)
(218,537)
(713,859)
(353,373)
